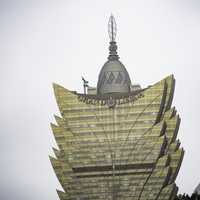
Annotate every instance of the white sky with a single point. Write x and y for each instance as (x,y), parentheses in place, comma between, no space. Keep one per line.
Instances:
(45,41)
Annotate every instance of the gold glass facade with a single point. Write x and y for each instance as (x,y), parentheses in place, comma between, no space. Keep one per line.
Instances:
(125,152)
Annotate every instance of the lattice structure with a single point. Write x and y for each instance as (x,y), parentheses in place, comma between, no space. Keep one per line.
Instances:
(127,152)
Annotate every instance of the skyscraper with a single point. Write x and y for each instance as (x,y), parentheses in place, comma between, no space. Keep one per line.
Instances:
(117,141)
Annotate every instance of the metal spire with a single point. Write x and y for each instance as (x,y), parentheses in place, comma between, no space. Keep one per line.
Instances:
(112,28)
(112,31)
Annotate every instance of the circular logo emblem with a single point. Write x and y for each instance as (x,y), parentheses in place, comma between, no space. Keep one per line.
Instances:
(111,102)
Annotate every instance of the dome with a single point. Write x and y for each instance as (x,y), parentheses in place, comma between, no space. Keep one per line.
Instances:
(113,78)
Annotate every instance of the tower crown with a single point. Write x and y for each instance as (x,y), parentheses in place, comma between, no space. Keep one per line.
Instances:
(113,77)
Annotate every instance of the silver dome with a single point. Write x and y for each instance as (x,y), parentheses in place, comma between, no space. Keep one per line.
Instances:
(113,78)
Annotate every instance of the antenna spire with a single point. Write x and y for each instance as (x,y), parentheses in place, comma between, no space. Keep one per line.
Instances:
(85,85)
(112,32)
(112,28)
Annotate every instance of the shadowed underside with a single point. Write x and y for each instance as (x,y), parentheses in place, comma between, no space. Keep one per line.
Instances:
(128,152)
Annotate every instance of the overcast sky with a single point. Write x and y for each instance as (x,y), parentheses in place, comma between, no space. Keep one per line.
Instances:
(45,41)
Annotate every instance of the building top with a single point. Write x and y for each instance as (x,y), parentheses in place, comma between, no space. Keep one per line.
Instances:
(197,189)
(113,77)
